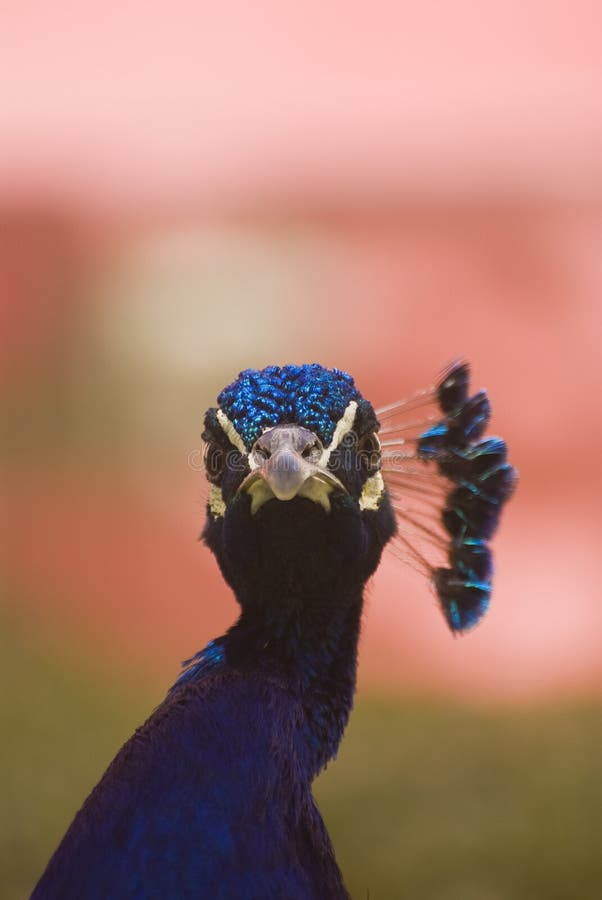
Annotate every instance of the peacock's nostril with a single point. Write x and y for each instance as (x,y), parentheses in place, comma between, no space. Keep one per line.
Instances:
(261,454)
(313,452)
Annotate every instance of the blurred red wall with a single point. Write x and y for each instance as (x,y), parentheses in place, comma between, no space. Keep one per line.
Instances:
(184,195)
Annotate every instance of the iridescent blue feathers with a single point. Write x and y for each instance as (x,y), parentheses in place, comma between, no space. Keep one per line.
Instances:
(212,795)
(205,660)
(448,485)
(447,482)
(309,395)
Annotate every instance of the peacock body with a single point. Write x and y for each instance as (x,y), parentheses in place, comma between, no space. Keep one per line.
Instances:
(211,797)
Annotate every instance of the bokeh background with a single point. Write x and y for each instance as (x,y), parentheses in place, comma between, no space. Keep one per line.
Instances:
(191,189)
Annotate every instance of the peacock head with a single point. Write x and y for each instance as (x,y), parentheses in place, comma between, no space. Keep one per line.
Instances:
(296,501)
(298,505)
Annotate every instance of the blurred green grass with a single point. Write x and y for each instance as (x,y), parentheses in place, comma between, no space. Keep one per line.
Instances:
(426,800)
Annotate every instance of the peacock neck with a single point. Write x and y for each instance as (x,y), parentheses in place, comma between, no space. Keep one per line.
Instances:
(309,645)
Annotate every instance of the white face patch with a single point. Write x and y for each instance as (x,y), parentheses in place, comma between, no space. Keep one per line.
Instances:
(374,486)
(372,492)
(343,427)
(216,501)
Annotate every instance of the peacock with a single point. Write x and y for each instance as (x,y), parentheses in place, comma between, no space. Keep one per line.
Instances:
(212,797)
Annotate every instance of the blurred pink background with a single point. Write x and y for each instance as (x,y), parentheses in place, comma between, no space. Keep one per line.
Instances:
(186,191)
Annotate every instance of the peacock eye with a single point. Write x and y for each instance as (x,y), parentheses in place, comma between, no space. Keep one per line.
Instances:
(215,460)
(368,451)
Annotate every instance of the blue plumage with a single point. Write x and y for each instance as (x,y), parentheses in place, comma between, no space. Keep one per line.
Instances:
(207,799)
(309,394)
(481,481)
(212,795)
(208,658)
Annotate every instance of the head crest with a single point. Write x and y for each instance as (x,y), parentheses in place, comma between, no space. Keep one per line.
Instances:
(309,395)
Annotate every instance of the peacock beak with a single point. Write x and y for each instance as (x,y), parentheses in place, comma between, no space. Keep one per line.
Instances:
(286,462)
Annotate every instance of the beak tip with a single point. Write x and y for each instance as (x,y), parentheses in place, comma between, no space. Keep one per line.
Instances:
(285,472)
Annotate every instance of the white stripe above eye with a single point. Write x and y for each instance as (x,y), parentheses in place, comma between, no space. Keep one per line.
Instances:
(231,432)
(343,427)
